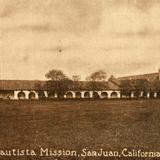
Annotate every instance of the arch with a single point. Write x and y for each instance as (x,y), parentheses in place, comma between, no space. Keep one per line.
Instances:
(32,95)
(78,95)
(69,95)
(104,95)
(114,95)
(158,94)
(125,94)
(137,94)
(87,95)
(95,95)
(144,94)
(151,94)
(21,95)
(42,94)
(51,95)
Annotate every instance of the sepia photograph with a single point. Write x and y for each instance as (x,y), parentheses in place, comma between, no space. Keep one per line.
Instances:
(79,79)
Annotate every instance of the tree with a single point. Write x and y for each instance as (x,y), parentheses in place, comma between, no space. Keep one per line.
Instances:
(126,87)
(95,81)
(155,86)
(99,75)
(137,86)
(76,78)
(55,75)
(59,87)
(140,85)
(58,82)
(96,85)
(40,89)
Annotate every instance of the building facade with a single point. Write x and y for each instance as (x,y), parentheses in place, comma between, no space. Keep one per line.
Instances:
(30,89)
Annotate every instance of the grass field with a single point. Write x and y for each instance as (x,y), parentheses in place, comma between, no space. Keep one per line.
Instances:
(111,124)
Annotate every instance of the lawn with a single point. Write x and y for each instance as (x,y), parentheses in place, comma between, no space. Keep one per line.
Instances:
(73,124)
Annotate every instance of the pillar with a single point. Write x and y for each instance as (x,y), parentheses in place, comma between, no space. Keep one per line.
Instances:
(82,94)
(118,94)
(141,94)
(45,94)
(36,95)
(99,94)
(91,94)
(16,94)
(55,95)
(109,95)
(155,94)
(132,94)
(74,94)
(148,95)
(26,94)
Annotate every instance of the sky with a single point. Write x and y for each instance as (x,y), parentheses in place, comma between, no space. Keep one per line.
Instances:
(121,37)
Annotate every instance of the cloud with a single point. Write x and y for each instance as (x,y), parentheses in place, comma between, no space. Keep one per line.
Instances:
(145,5)
(142,5)
(9,8)
(6,13)
(117,48)
(33,28)
(121,36)
(72,16)
(141,33)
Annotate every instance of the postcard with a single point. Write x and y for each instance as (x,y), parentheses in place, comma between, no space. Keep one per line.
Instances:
(79,79)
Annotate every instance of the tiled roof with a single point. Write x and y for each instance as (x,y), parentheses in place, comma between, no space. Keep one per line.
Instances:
(149,77)
(21,84)
(36,85)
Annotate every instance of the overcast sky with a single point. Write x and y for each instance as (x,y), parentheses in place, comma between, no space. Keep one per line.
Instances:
(121,37)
